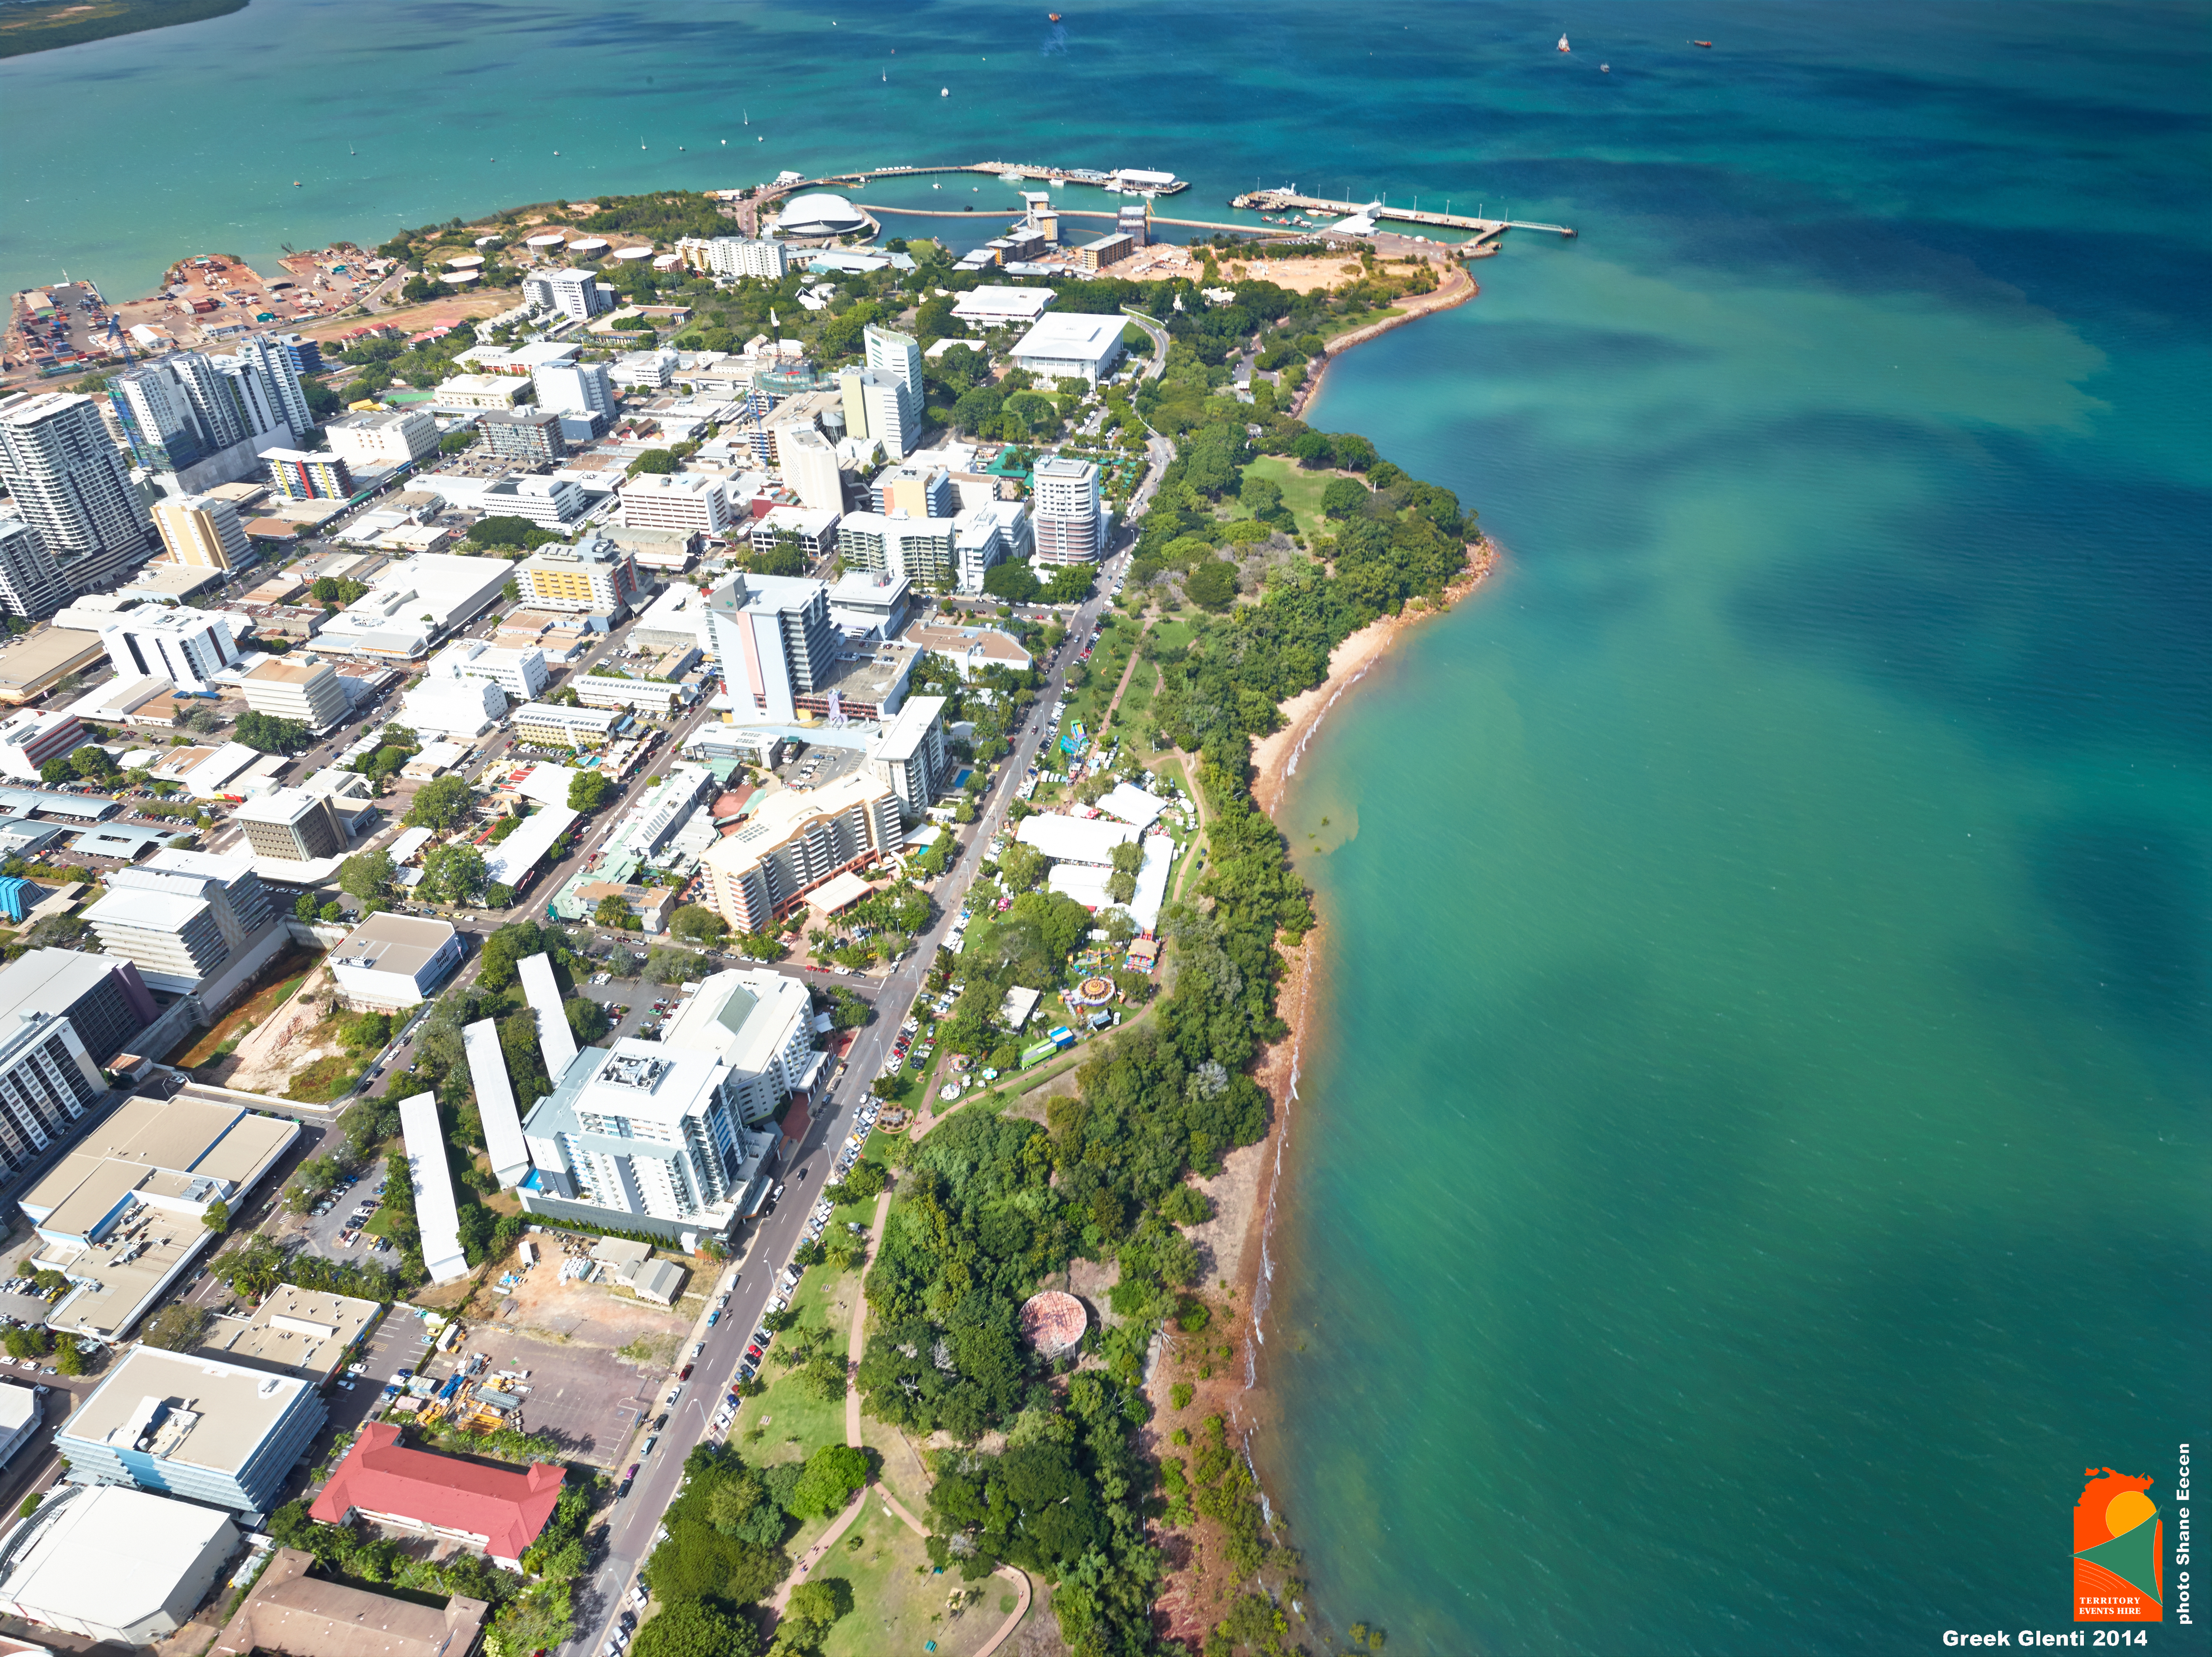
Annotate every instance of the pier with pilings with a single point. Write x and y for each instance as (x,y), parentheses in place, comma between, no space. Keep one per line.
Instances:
(1291,201)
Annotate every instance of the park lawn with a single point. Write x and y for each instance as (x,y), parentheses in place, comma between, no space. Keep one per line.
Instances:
(1133,720)
(1174,632)
(378,1224)
(1301,488)
(898,1597)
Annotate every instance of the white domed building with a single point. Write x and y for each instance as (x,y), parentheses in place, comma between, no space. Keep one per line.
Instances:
(819,213)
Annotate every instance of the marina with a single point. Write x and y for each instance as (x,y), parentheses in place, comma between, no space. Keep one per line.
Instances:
(1127,181)
(1291,201)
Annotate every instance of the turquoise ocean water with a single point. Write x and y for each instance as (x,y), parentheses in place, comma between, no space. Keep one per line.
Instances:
(1754,1155)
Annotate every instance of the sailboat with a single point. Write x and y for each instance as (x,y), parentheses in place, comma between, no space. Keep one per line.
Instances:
(1564,46)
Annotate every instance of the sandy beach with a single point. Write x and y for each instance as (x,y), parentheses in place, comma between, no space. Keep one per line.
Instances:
(1456,288)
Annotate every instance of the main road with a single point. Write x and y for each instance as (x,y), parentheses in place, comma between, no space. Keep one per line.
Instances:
(632,1522)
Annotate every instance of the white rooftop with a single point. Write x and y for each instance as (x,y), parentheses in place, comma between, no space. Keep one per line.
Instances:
(1074,335)
(437,1216)
(503,1123)
(105,1555)
(1132,804)
(1075,840)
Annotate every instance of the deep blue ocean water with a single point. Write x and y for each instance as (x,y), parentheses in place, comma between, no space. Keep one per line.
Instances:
(1754,1155)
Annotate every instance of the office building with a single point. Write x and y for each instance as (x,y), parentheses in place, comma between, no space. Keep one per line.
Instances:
(992,306)
(576,388)
(412,603)
(878,406)
(188,1425)
(1064,522)
(292,826)
(310,692)
(808,463)
(761,1025)
(594,574)
(675,620)
(375,442)
(31,584)
(693,503)
(104,999)
(917,491)
(392,961)
(308,1332)
(521,673)
(865,603)
(909,757)
(813,534)
(72,487)
(571,293)
(496,1511)
(437,1216)
(48,1080)
(30,737)
(550,724)
(918,550)
(1070,345)
(116,1566)
(298,475)
(292,1614)
(203,531)
(795,841)
(304,355)
(668,549)
(772,642)
(20,1419)
(642,1130)
(183,917)
(186,646)
(463,706)
(734,256)
(477,393)
(529,436)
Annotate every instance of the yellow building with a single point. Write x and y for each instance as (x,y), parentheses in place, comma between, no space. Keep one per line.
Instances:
(201,530)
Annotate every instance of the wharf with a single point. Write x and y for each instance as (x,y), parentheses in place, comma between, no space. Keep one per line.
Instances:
(1129,180)
(1291,201)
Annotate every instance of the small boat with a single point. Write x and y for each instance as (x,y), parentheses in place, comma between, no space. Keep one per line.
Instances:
(1564,46)
(296,184)
(1605,68)
(1707,45)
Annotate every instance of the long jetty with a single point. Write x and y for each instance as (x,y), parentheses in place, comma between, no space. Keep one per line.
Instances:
(1291,201)
(1089,175)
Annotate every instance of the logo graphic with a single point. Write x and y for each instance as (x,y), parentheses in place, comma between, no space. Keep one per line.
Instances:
(2117,1540)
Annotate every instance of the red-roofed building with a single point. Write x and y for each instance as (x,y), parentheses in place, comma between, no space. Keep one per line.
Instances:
(488,1509)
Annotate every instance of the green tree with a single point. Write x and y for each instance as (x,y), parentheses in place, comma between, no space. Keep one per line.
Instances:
(614,910)
(216,1217)
(695,1627)
(653,460)
(833,1473)
(367,876)
(453,874)
(442,805)
(1015,582)
(274,735)
(1212,585)
(58,771)
(176,1327)
(586,790)
(697,924)
(1128,857)
(92,763)
(818,1604)
(67,1359)
(1344,497)
(1071,584)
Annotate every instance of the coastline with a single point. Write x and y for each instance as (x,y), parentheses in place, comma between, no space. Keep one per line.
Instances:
(1234,1243)
(1457,288)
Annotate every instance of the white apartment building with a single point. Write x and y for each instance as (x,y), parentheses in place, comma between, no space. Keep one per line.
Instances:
(813,533)
(182,916)
(761,1025)
(899,355)
(474,394)
(521,673)
(734,256)
(594,574)
(570,292)
(185,647)
(551,503)
(880,407)
(909,757)
(986,534)
(201,530)
(919,549)
(643,1129)
(310,692)
(576,388)
(375,441)
(808,463)
(72,486)
(691,502)
(772,641)
(31,584)
(797,841)
(48,1080)
(1064,522)
(649,370)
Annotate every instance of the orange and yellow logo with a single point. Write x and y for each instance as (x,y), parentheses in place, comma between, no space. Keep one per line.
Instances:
(2117,1541)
